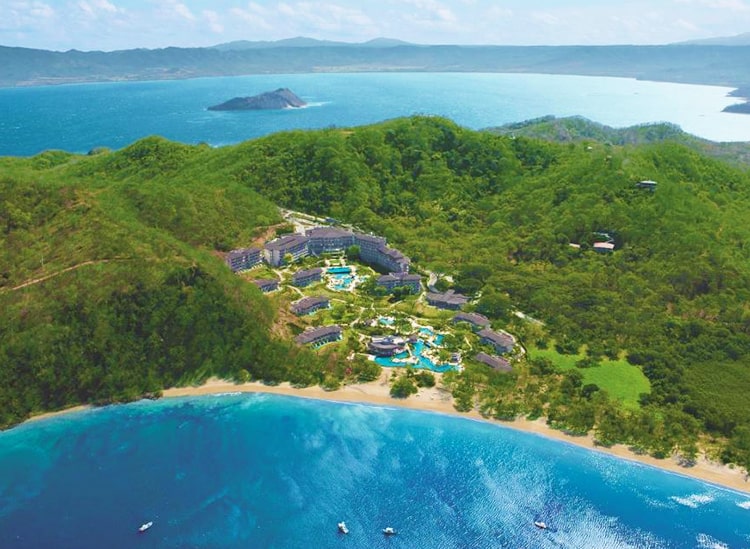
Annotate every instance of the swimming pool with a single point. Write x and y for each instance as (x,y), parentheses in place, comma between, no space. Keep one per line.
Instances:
(422,361)
(339,270)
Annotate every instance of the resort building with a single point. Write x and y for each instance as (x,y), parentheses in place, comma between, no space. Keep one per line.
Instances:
(386,346)
(448,300)
(308,305)
(291,244)
(372,249)
(494,362)
(392,260)
(604,247)
(319,336)
(501,341)
(267,284)
(369,247)
(305,278)
(401,280)
(328,239)
(244,259)
(475,319)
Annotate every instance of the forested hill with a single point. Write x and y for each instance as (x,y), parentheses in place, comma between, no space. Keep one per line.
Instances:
(153,305)
(579,129)
(109,286)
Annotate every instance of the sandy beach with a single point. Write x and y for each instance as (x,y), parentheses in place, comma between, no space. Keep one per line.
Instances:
(439,401)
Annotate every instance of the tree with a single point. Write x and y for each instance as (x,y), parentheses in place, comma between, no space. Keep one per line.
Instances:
(403,386)
(352,253)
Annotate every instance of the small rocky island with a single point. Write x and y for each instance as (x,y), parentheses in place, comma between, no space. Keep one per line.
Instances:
(283,98)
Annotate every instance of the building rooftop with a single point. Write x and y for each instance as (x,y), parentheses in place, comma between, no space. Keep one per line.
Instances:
(399,277)
(313,334)
(370,238)
(448,297)
(497,338)
(309,272)
(309,302)
(495,362)
(604,246)
(472,318)
(327,232)
(240,252)
(266,282)
(286,242)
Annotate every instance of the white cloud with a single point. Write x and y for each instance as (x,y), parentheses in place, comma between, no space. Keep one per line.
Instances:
(728,5)
(214,21)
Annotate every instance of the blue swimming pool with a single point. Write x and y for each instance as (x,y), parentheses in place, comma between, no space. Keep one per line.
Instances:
(339,270)
(422,361)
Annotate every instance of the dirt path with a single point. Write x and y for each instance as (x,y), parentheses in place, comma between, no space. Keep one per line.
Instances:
(58,273)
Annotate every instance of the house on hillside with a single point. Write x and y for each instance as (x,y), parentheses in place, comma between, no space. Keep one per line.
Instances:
(317,337)
(294,245)
(401,280)
(495,362)
(448,300)
(501,341)
(307,277)
(647,184)
(308,305)
(267,284)
(475,319)
(604,247)
(244,259)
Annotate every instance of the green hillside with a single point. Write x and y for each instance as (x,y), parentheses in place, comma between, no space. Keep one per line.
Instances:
(498,214)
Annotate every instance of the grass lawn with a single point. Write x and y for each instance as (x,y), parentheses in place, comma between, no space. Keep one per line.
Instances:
(621,380)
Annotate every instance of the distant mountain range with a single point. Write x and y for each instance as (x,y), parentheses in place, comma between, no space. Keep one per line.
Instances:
(304,42)
(577,129)
(737,40)
(698,64)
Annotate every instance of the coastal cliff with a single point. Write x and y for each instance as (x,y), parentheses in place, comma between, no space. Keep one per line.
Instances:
(282,98)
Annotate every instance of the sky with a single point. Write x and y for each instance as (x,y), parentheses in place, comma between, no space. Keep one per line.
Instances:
(123,24)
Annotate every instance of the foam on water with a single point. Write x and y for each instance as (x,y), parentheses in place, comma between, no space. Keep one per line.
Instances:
(694,500)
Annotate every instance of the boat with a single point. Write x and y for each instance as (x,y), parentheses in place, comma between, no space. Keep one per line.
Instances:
(342,527)
(145,526)
(541,525)
(388,531)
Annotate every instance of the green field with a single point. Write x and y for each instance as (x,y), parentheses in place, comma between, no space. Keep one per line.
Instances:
(621,380)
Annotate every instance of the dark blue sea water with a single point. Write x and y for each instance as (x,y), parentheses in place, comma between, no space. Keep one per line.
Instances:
(80,117)
(260,471)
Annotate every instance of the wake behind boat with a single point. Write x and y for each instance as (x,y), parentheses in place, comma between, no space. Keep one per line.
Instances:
(146,526)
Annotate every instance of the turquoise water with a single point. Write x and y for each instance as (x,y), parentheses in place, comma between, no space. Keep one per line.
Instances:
(259,471)
(342,281)
(80,117)
(422,361)
(339,270)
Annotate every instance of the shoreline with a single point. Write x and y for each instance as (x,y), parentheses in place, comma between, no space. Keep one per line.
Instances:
(439,401)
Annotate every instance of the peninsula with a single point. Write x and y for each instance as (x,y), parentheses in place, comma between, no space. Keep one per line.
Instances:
(282,98)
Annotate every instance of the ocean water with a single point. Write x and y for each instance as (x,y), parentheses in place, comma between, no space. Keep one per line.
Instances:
(261,471)
(80,117)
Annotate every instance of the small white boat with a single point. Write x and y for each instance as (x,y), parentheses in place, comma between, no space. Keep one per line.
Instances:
(388,531)
(541,525)
(146,526)
(342,527)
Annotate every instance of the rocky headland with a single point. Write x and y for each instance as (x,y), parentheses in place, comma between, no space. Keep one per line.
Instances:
(282,98)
